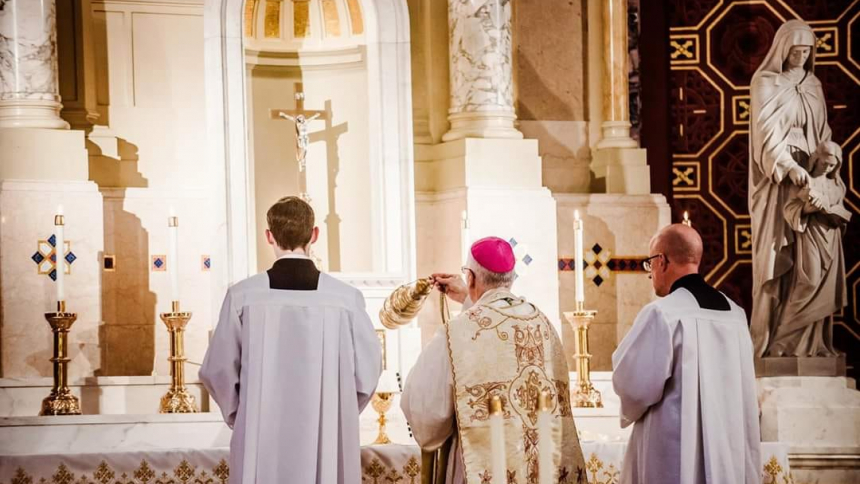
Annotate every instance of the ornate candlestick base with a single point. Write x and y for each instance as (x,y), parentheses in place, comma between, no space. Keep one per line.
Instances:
(381,403)
(177,399)
(584,394)
(61,401)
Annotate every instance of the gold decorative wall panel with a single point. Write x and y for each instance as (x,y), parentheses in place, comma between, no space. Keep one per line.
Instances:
(250,23)
(355,17)
(301,18)
(331,18)
(272,20)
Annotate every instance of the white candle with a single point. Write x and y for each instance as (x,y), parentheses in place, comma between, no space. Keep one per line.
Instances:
(497,442)
(173,255)
(60,253)
(464,237)
(687,221)
(579,258)
(546,446)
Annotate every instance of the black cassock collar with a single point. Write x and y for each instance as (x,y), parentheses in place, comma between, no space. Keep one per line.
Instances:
(294,274)
(706,296)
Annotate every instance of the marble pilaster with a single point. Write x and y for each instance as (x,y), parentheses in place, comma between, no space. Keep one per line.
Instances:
(481,71)
(29,88)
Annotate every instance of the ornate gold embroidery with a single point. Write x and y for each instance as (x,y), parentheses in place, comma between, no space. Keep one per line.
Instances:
(562,390)
(526,394)
(144,473)
(595,465)
(485,323)
(184,473)
(581,476)
(528,344)
(374,471)
(530,439)
(164,479)
(773,473)
(21,477)
(393,477)
(512,477)
(480,402)
(222,471)
(486,477)
(103,474)
(412,469)
(63,476)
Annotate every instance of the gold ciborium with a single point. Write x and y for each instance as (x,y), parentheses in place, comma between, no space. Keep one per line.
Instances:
(382,403)
(584,395)
(177,399)
(61,401)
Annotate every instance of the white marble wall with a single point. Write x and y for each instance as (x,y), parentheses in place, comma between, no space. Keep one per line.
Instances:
(27,211)
(480,52)
(28,49)
(622,225)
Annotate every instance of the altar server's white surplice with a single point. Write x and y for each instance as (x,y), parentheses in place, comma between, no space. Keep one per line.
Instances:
(686,381)
(291,371)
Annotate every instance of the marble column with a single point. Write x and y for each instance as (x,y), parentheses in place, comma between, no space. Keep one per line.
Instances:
(616,93)
(482,91)
(29,88)
(619,164)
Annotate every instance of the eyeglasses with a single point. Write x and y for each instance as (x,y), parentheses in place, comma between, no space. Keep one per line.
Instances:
(464,269)
(646,263)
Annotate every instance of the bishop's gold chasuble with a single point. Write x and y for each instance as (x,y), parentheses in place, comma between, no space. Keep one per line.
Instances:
(504,346)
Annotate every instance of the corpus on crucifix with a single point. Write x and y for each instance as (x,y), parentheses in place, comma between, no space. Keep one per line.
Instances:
(301,119)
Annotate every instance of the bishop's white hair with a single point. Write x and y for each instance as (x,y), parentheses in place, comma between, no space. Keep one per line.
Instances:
(489,278)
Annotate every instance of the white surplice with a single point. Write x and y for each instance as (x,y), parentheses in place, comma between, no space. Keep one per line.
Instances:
(428,402)
(291,371)
(686,381)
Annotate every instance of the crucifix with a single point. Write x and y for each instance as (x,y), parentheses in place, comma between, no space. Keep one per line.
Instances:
(301,119)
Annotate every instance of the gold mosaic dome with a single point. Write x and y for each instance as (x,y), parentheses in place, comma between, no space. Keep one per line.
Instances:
(297,25)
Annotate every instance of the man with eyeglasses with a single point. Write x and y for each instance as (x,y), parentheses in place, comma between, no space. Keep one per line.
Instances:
(499,346)
(685,377)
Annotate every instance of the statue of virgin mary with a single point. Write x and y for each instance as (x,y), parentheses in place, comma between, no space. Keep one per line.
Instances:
(787,124)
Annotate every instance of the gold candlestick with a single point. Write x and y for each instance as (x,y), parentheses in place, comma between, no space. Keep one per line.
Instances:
(584,395)
(61,401)
(381,403)
(177,399)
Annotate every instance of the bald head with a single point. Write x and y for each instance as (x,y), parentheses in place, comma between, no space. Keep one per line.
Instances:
(681,244)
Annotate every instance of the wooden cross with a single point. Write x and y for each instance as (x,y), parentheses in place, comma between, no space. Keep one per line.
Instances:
(300,107)
(301,118)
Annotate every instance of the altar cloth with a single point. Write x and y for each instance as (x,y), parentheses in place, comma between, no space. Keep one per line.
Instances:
(381,464)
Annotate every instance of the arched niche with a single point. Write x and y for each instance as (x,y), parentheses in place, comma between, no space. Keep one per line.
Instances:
(385,40)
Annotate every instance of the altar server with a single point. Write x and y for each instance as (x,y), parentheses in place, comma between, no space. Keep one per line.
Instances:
(685,377)
(292,363)
(501,345)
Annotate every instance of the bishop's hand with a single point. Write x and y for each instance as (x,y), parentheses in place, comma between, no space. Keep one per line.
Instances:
(451,285)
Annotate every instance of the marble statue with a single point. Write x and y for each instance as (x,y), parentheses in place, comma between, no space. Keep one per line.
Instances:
(795,202)
(302,138)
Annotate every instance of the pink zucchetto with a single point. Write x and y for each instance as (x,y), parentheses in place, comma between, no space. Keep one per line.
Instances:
(494,254)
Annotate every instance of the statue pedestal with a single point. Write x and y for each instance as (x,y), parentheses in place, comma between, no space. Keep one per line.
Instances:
(819,417)
(792,366)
